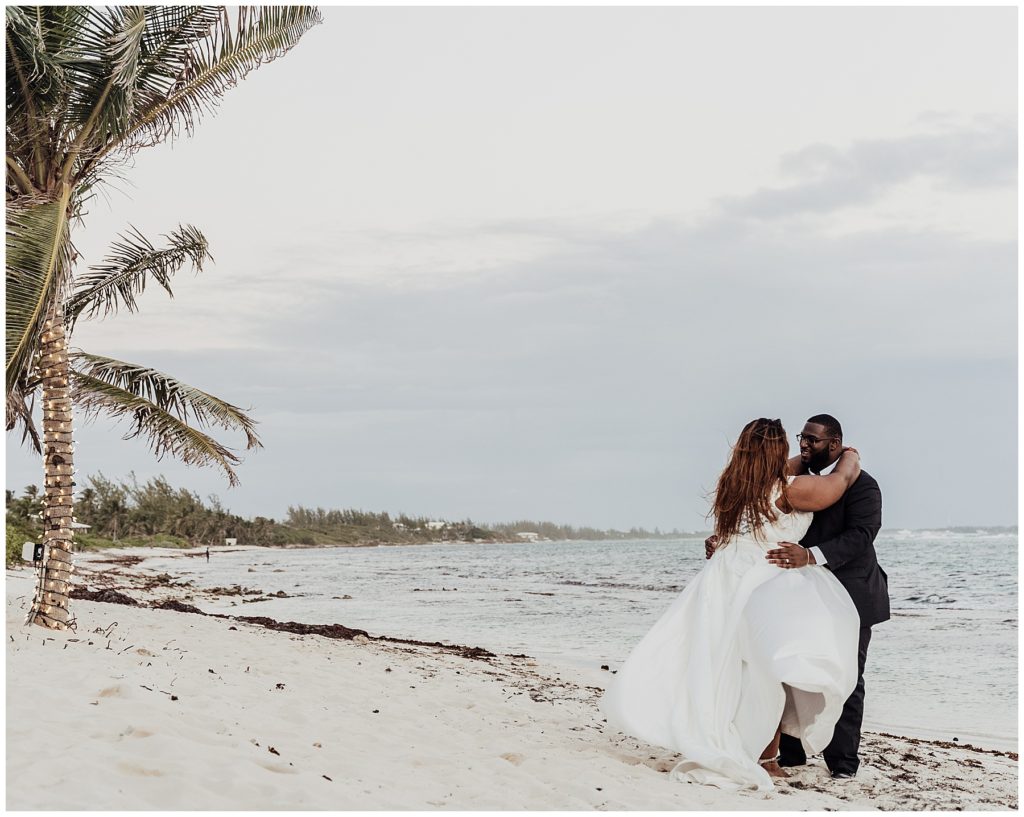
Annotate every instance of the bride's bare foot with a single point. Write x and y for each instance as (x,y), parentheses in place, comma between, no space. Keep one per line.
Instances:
(773,768)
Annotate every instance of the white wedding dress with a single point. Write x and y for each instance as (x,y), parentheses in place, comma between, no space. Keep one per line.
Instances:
(744,646)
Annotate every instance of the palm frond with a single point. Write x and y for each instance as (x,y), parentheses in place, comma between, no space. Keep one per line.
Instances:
(125,48)
(132,260)
(20,402)
(38,267)
(112,68)
(211,65)
(37,84)
(169,395)
(165,433)
(101,69)
(170,35)
(36,38)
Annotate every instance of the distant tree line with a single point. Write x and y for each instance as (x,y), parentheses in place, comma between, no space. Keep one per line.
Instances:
(366,526)
(127,512)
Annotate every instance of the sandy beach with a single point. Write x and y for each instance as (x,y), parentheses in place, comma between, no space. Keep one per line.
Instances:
(147,708)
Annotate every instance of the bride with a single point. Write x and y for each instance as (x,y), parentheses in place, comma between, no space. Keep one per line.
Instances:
(748,650)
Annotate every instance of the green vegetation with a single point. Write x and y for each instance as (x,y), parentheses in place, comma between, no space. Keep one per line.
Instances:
(23,522)
(155,513)
(17,535)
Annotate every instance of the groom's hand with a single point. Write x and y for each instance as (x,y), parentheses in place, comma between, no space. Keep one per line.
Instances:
(709,546)
(788,555)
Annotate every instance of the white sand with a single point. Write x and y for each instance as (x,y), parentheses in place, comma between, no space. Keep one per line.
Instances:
(261,719)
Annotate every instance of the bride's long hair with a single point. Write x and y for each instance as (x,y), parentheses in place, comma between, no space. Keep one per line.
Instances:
(746,487)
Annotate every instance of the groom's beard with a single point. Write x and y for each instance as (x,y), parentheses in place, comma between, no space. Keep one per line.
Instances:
(818,463)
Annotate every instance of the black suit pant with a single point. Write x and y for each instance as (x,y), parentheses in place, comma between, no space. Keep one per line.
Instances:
(841,754)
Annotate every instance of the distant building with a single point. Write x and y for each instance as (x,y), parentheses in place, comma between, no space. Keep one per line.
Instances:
(398,526)
(436,525)
(528,536)
(230,542)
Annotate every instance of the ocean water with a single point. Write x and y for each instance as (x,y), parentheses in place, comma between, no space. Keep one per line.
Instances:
(944,666)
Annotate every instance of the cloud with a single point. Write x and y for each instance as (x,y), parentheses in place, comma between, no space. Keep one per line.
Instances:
(668,304)
(591,373)
(827,178)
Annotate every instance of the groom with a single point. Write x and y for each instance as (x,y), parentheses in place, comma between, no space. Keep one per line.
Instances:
(841,537)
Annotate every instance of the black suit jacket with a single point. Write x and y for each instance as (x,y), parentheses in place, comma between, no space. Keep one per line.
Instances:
(846,532)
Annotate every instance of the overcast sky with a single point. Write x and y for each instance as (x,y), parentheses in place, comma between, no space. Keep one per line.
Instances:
(545,263)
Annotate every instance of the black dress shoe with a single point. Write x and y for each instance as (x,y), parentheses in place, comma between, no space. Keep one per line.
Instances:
(789,762)
(843,775)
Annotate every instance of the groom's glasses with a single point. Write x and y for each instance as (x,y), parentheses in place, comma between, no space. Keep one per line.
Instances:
(811,440)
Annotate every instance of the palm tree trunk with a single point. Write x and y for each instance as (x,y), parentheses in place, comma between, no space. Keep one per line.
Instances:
(50,606)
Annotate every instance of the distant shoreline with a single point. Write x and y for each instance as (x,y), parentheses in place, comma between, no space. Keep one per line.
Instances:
(698,535)
(200,550)
(185,548)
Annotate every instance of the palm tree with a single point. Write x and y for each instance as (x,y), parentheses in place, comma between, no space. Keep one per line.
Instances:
(86,88)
